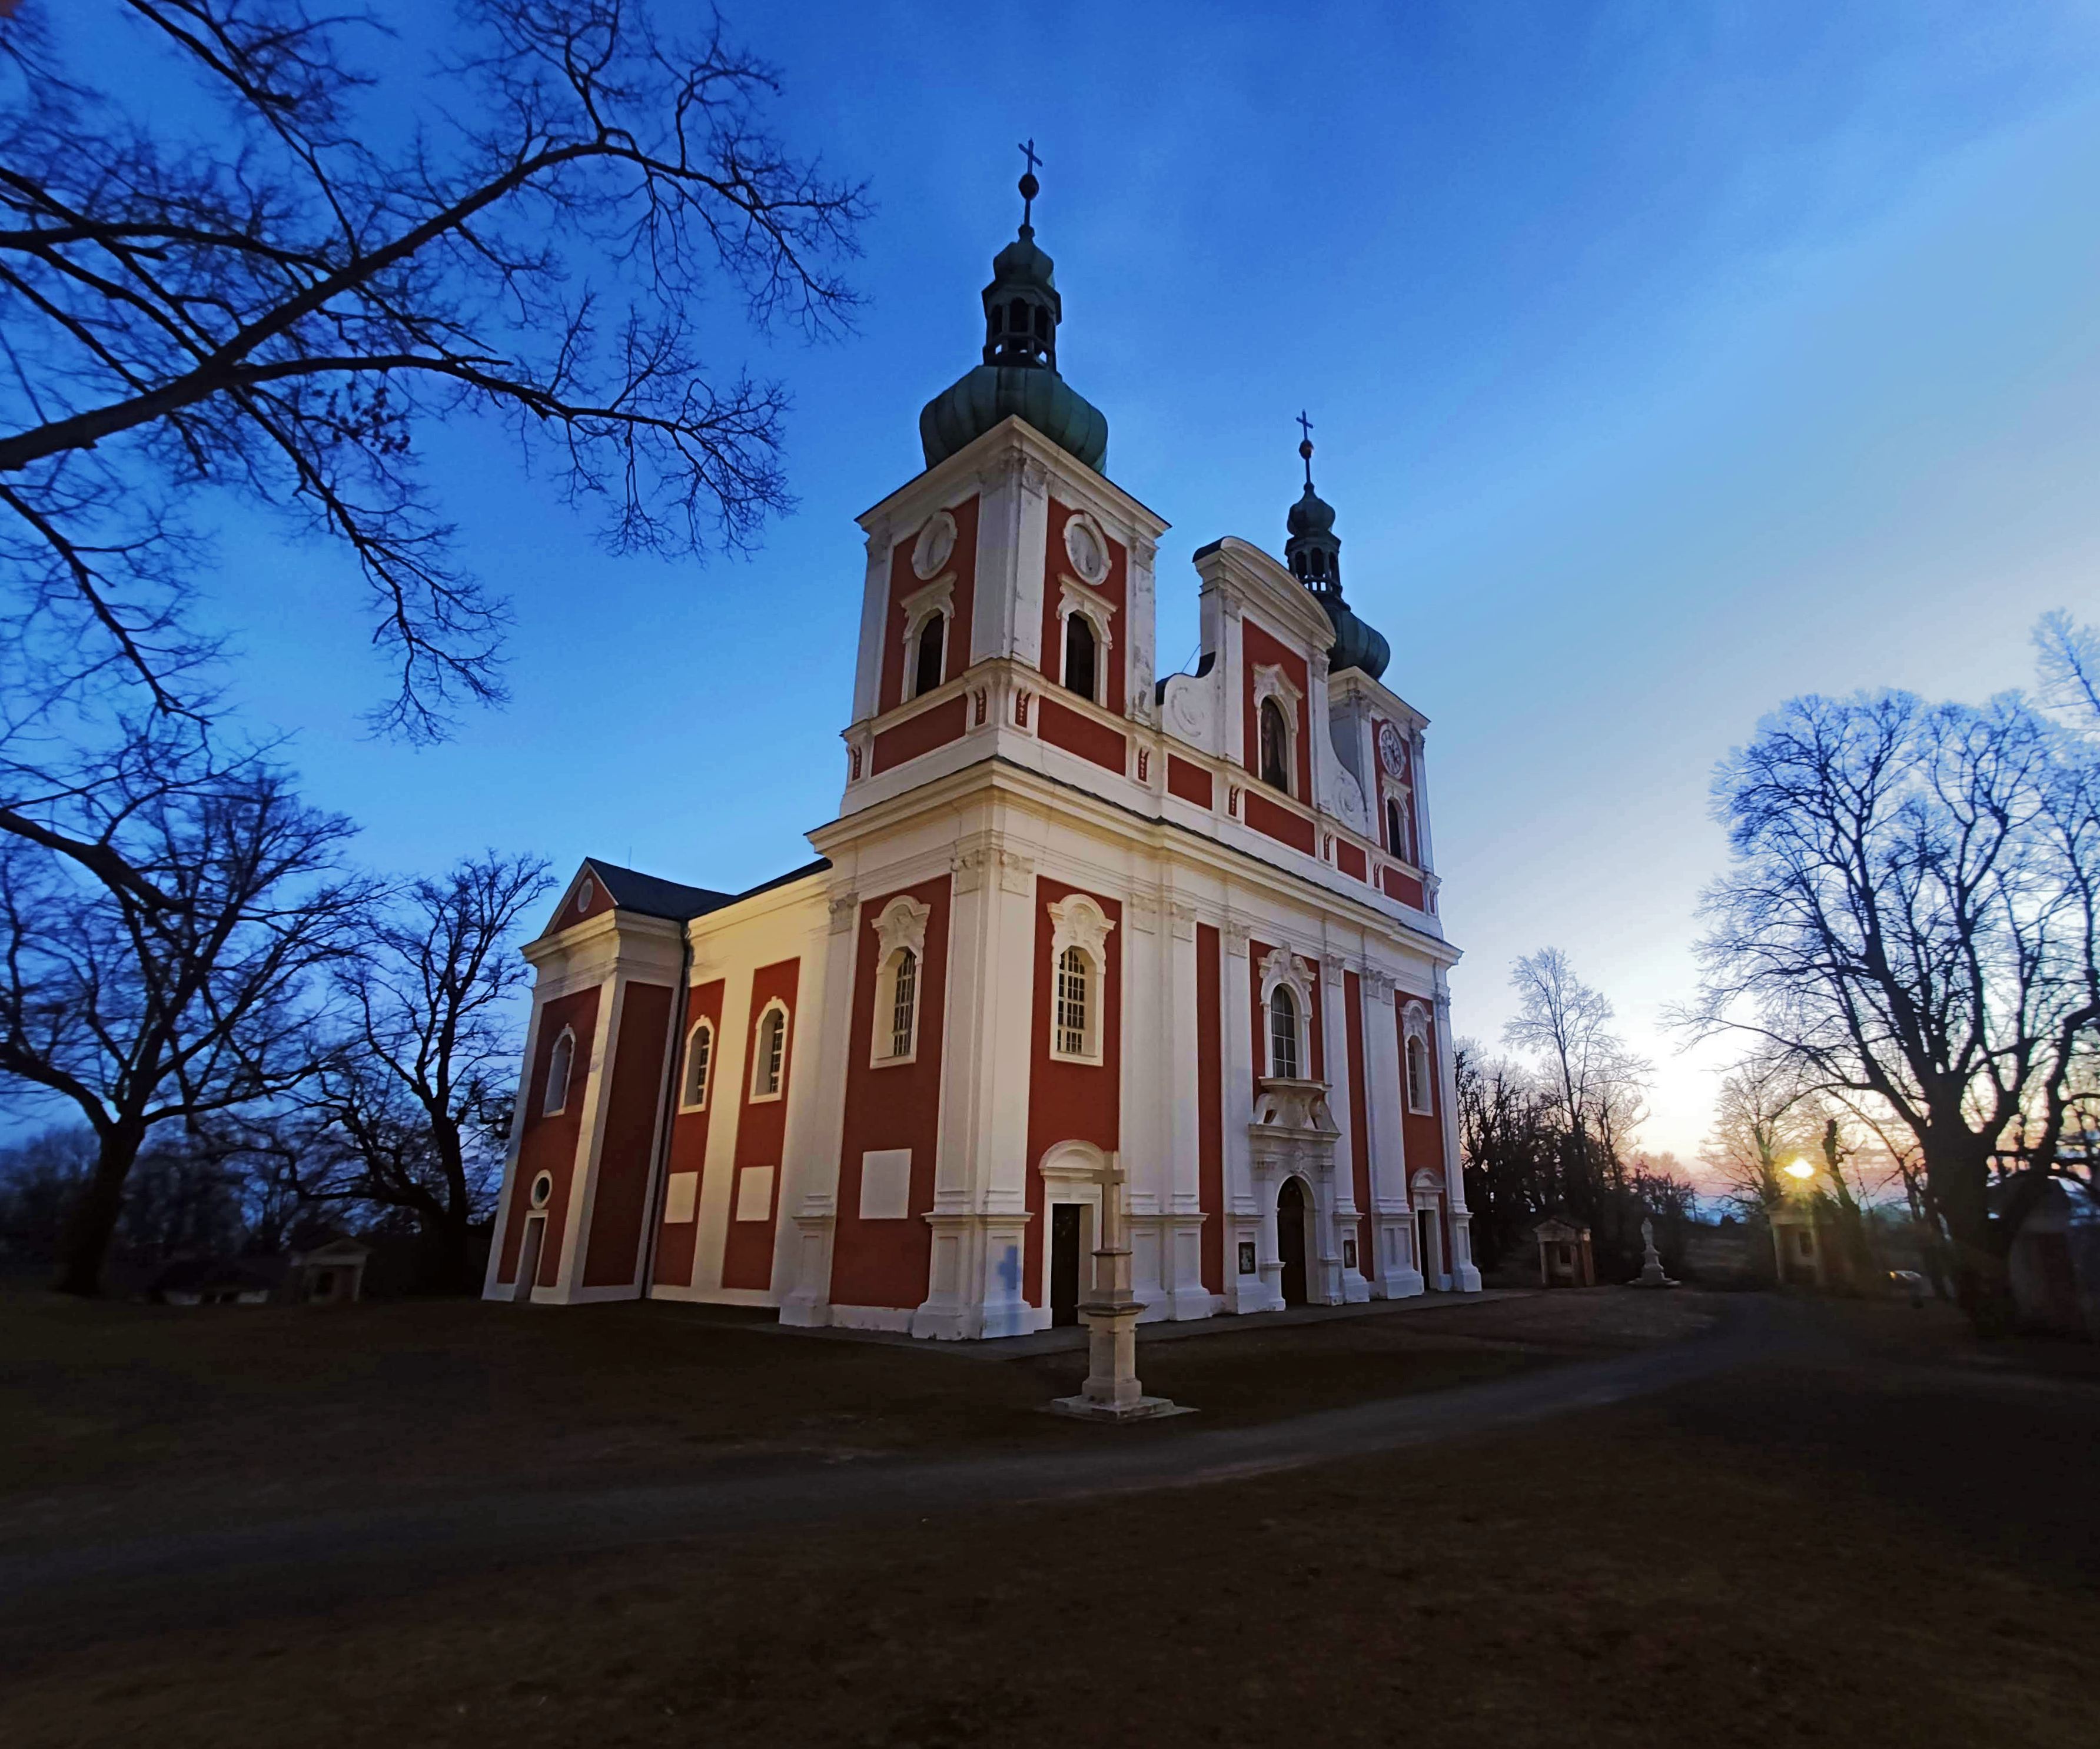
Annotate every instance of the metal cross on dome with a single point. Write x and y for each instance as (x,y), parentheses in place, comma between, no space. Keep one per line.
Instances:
(1030,188)
(1305,446)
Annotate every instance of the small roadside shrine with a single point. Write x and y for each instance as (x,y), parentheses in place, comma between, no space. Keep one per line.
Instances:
(1564,1259)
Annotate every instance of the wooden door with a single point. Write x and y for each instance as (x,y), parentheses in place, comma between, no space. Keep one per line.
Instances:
(1291,1240)
(1065,1262)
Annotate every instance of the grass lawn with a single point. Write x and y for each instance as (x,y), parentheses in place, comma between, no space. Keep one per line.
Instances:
(1883,1538)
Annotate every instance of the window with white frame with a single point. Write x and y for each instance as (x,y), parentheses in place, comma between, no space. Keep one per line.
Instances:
(1274,758)
(769,1056)
(1275,746)
(900,967)
(1287,989)
(699,1058)
(1075,1008)
(1421,1097)
(1079,961)
(927,669)
(561,1060)
(1082,661)
(1283,1033)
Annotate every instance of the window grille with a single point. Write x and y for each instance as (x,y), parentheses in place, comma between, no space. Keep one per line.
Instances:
(1282,1034)
(772,1045)
(1072,1002)
(699,1050)
(903,1003)
(1417,1076)
(559,1062)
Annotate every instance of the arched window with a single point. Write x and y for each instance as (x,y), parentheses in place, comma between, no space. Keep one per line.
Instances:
(699,1054)
(1282,1034)
(903,1002)
(1275,746)
(932,637)
(1396,839)
(560,1060)
(1079,655)
(1418,1073)
(1073,1003)
(770,1054)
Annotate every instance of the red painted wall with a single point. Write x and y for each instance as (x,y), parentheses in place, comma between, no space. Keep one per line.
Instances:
(1405,889)
(761,1130)
(549,1144)
(1114,589)
(934,727)
(568,916)
(620,1199)
(884,1263)
(1352,862)
(1064,727)
(1259,648)
(1210,1104)
(1069,1102)
(904,583)
(1273,820)
(1360,1140)
(1192,783)
(675,1242)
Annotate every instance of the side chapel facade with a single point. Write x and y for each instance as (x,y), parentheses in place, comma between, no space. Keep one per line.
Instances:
(1065,910)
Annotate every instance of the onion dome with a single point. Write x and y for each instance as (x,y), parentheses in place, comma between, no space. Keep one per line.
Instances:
(1019,374)
(1313,551)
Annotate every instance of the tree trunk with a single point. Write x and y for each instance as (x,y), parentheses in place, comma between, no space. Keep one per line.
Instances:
(85,1246)
(1957,1172)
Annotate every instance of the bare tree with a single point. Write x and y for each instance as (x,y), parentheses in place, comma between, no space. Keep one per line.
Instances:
(143,1013)
(1903,918)
(1599,1082)
(279,305)
(1762,1118)
(409,1106)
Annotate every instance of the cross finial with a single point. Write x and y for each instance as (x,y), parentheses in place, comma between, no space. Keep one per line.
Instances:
(1030,188)
(1305,447)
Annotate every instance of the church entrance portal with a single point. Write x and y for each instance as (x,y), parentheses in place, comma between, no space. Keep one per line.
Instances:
(1291,1240)
(1429,1250)
(1065,1262)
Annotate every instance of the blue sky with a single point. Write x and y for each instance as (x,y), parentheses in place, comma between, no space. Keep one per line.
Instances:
(1664,360)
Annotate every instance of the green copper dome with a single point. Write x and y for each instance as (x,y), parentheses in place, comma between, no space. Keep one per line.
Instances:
(1019,374)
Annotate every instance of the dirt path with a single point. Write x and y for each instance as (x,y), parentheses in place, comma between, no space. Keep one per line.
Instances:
(61,1592)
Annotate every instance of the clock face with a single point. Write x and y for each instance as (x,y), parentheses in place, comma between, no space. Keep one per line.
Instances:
(1392,752)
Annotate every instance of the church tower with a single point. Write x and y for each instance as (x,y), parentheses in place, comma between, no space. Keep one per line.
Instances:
(1067,910)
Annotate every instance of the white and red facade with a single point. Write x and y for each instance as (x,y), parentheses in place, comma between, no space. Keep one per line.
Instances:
(1091,900)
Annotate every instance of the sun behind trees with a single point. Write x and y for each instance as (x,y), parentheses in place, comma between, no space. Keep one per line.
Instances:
(1910,929)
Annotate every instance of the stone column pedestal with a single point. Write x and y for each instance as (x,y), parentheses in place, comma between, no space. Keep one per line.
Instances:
(1111,1392)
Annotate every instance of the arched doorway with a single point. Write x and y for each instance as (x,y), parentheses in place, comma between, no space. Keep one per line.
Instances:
(1291,1240)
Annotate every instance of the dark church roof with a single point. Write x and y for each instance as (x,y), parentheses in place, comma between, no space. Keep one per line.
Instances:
(652,896)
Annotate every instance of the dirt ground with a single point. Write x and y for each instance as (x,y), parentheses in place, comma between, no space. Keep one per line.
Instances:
(127,1416)
(1882,1536)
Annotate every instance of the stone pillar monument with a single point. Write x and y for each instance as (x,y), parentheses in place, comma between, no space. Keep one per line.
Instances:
(1111,1392)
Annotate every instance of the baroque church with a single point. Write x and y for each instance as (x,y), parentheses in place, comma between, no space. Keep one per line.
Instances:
(1067,910)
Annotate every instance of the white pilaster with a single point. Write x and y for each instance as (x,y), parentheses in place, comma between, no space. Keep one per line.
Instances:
(1179,1090)
(816,1124)
(1464,1276)
(1251,1207)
